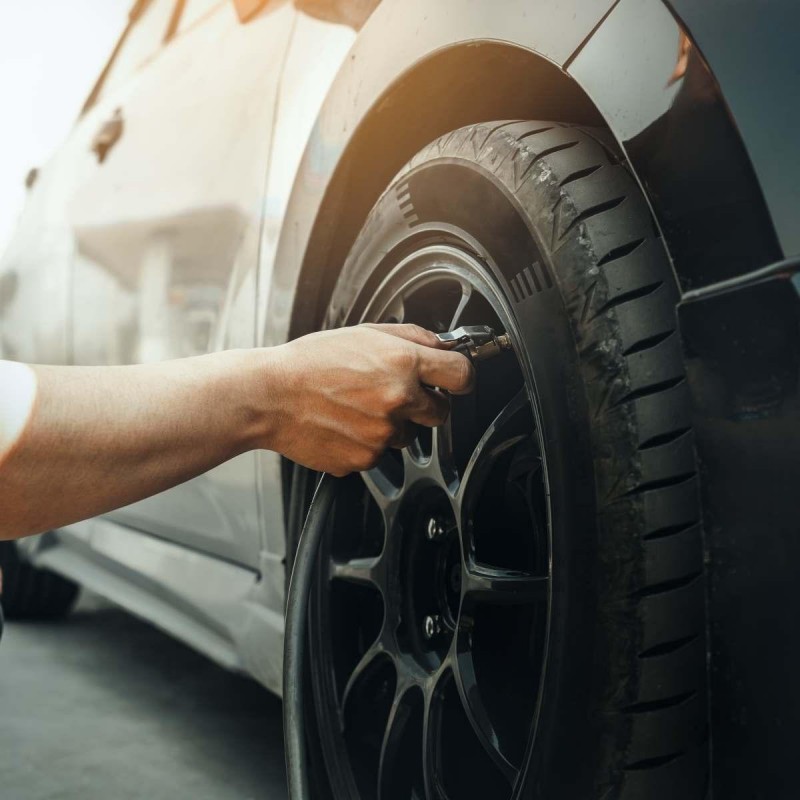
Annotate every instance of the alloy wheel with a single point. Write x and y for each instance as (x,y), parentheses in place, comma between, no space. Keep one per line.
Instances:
(429,624)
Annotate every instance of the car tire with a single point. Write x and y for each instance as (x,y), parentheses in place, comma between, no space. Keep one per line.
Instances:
(30,593)
(565,232)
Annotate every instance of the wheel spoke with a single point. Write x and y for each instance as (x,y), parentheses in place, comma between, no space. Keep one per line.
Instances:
(466,295)
(484,584)
(384,482)
(442,452)
(397,727)
(512,425)
(478,718)
(396,311)
(431,742)
(368,662)
(363,571)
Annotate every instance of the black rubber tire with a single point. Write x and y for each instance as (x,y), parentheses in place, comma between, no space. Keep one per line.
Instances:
(625,711)
(30,593)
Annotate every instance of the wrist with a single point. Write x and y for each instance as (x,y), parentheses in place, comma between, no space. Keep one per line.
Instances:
(258,388)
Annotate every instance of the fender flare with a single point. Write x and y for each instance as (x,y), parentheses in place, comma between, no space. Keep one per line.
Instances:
(595,62)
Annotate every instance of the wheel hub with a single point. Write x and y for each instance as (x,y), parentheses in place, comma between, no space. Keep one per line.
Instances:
(444,552)
(429,566)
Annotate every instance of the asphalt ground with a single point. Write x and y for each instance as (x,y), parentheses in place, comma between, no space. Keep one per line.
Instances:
(103,706)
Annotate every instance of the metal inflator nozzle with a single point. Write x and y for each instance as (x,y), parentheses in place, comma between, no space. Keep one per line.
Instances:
(477,342)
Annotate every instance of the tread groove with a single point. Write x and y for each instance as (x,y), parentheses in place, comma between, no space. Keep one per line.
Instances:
(533,133)
(663,483)
(653,388)
(650,763)
(581,173)
(662,439)
(648,342)
(600,208)
(539,156)
(668,647)
(620,252)
(491,133)
(667,586)
(659,705)
(669,530)
(633,294)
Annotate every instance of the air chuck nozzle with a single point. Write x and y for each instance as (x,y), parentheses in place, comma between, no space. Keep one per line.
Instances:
(504,342)
(477,342)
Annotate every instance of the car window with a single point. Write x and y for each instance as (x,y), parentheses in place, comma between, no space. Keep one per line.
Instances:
(195,10)
(142,42)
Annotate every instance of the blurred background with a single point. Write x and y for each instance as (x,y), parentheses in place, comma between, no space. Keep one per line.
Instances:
(51,52)
(104,705)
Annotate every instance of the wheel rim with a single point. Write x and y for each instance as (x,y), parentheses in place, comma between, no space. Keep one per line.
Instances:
(430,622)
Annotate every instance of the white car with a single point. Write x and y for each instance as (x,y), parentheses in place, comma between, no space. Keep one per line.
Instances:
(513,606)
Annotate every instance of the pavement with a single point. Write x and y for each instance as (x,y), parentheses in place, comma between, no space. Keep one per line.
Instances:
(103,706)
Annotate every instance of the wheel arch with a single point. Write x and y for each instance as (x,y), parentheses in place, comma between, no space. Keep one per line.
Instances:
(501,81)
(417,72)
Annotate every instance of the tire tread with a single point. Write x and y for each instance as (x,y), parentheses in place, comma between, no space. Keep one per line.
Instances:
(30,593)
(622,306)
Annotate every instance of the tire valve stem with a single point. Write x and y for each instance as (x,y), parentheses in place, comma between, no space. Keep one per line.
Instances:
(477,342)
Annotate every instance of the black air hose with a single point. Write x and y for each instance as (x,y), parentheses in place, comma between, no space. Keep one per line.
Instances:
(295,636)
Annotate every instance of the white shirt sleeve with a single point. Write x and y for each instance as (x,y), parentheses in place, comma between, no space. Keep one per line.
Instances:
(17,396)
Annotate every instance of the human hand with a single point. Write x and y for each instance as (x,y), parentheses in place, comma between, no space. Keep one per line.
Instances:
(345,395)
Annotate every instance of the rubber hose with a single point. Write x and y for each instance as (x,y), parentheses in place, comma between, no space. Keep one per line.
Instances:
(294,642)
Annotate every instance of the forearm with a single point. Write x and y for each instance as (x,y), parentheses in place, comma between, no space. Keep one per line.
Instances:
(102,437)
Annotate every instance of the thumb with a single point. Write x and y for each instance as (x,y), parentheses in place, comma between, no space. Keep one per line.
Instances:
(411,333)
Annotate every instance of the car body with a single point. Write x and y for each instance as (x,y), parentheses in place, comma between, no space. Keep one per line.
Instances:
(225,163)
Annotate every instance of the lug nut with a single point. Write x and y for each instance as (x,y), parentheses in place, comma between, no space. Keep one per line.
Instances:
(436,528)
(432,626)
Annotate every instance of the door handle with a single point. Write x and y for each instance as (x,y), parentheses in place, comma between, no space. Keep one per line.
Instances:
(108,135)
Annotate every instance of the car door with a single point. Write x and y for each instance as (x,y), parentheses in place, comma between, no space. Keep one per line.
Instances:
(167,223)
(36,269)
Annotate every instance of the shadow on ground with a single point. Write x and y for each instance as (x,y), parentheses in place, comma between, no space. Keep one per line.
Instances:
(105,706)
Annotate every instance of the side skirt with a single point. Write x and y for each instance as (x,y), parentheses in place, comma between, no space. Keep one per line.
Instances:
(210,604)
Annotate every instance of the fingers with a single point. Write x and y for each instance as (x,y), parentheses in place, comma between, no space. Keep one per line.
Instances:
(438,365)
(404,434)
(351,393)
(411,333)
(446,370)
(430,408)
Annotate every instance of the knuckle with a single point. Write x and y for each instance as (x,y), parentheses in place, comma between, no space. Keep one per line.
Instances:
(398,395)
(407,359)
(464,373)
(420,333)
